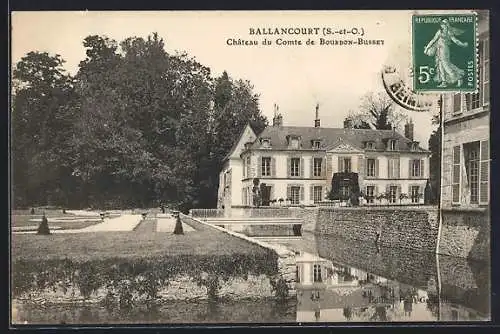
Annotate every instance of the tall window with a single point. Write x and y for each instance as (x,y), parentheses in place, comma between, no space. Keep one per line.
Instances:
(393,168)
(295,167)
(295,195)
(370,167)
(317,162)
(344,191)
(317,273)
(393,191)
(266,166)
(415,168)
(415,194)
(472,101)
(317,194)
(473,171)
(370,194)
(457,103)
(345,165)
(297,274)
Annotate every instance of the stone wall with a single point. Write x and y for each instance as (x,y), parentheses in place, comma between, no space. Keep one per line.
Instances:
(286,258)
(413,228)
(466,234)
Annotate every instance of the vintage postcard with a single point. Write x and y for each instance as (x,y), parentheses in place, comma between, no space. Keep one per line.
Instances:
(249,167)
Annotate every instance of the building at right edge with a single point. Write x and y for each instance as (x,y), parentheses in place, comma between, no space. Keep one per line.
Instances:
(465,177)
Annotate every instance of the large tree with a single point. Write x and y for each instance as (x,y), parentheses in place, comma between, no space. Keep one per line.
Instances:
(376,111)
(41,126)
(134,127)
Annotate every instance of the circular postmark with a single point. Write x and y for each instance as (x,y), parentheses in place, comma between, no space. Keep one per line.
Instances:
(398,89)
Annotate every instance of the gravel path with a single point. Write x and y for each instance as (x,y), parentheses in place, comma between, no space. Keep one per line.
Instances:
(122,223)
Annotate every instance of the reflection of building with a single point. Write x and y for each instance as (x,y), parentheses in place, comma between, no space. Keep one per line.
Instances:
(327,292)
(465,179)
(297,164)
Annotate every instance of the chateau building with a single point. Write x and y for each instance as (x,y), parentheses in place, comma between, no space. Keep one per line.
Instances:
(465,178)
(297,164)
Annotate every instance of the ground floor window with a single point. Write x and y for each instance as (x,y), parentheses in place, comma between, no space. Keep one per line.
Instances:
(370,194)
(317,194)
(317,273)
(295,195)
(415,196)
(297,274)
(472,166)
(344,191)
(393,190)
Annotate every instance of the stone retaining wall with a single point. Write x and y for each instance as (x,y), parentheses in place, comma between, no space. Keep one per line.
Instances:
(466,234)
(413,228)
(286,258)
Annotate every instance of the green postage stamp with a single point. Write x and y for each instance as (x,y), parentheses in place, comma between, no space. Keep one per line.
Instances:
(444,52)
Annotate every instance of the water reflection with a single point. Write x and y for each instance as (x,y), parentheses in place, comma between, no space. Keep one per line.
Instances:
(337,281)
(393,285)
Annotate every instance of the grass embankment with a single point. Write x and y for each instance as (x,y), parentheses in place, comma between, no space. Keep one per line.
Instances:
(146,226)
(129,262)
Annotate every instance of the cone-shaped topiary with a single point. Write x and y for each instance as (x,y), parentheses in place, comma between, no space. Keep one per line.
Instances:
(43,229)
(178,226)
(32,211)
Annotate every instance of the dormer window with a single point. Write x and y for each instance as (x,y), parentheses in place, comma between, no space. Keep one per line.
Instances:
(392,145)
(316,144)
(369,145)
(265,142)
(414,146)
(248,145)
(294,142)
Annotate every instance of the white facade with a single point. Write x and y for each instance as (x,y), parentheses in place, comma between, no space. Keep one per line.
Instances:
(304,176)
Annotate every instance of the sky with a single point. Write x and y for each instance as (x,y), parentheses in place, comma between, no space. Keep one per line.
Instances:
(294,77)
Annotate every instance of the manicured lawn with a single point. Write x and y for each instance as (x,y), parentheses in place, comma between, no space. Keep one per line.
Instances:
(100,245)
(146,226)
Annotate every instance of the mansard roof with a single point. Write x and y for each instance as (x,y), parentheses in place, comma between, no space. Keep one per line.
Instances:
(330,138)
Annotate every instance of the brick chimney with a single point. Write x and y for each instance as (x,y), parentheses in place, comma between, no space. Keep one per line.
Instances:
(277,119)
(409,130)
(317,122)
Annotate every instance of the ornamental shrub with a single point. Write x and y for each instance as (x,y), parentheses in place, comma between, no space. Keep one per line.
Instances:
(43,228)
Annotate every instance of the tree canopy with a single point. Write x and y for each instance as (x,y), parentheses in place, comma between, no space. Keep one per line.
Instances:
(136,126)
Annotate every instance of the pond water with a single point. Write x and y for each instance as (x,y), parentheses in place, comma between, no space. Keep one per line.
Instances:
(340,281)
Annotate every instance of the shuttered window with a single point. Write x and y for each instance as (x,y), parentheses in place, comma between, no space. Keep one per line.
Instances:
(484,188)
(370,167)
(457,103)
(317,167)
(455,177)
(393,168)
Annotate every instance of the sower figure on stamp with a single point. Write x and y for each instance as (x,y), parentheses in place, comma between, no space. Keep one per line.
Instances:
(439,47)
